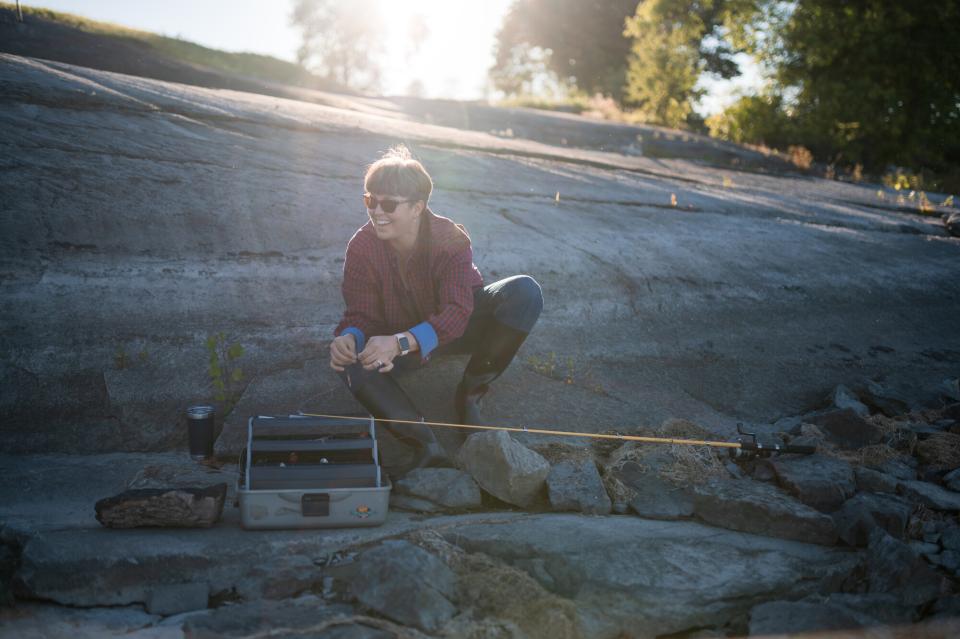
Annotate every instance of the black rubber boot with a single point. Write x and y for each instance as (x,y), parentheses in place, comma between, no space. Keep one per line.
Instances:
(383,397)
(494,354)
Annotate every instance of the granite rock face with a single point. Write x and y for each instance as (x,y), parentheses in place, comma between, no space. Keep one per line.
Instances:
(446,487)
(819,481)
(149,215)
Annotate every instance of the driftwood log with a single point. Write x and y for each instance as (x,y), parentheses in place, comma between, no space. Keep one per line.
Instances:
(163,507)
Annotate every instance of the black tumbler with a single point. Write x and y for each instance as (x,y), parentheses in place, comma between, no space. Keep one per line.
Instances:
(200,431)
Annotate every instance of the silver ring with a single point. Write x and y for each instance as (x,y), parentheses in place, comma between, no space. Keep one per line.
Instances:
(379,364)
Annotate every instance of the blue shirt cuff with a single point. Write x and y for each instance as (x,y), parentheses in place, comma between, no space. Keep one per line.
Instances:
(426,338)
(357,334)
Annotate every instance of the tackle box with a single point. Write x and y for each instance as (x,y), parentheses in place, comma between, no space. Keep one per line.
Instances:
(311,472)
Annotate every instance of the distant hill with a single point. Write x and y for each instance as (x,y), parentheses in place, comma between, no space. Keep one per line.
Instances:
(64,37)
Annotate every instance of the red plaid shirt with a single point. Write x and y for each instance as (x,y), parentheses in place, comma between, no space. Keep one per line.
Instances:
(441,275)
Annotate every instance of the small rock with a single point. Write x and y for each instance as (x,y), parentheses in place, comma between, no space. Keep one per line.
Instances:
(755,507)
(893,567)
(649,495)
(950,388)
(817,480)
(897,467)
(867,511)
(874,481)
(950,538)
(843,398)
(952,480)
(504,468)
(576,485)
(952,223)
(948,560)
(735,471)
(407,584)
(175,507)
(847,429)
(924,548)
(930,495)
(884,400)
(447,487)
(176,598)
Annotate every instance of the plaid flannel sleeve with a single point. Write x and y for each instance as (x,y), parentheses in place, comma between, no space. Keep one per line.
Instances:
(455,299)
(364,308)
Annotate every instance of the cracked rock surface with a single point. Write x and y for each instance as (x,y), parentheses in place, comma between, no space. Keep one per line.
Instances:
(150,216)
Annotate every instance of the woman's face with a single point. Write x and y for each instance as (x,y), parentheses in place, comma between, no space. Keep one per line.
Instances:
(402,224)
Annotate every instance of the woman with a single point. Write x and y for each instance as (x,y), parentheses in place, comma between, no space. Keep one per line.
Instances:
(412,291)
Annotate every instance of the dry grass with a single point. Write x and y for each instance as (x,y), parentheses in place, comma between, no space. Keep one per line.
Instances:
(940,451)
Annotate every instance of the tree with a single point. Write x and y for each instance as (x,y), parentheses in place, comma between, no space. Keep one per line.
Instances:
(875,81)
(580,41)
(674,42)
(340,40)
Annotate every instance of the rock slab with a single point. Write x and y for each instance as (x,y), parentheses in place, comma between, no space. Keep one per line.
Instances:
(755,507)
(505,468)
(818,481)
(893,567)
(407,584)
(930,495)
(166,508)
(866,511)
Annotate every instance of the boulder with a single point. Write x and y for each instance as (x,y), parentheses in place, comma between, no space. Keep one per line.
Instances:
(446,487)
(873,481)
(949,560)
(950,388)
(755,507)
(817,480)
(846,428)
(884,400)
(646,493)
(407,584)
(899,467)
(844,398)
(576,485)
(174,507)
(893,567)
(505,468)
(866,511)
(930,495)
(630,577)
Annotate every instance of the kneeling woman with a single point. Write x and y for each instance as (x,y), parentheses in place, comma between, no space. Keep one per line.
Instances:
(412,291)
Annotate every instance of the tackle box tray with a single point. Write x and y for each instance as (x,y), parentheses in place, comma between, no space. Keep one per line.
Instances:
(301,471)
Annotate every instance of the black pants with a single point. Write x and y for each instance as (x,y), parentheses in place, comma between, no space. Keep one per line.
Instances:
(513,301)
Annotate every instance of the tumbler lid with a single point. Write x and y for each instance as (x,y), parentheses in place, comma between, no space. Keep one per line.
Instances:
(199,412)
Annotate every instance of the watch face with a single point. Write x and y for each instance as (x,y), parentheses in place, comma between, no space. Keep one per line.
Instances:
(404,343)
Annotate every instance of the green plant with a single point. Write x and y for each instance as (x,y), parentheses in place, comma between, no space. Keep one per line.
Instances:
(225,374)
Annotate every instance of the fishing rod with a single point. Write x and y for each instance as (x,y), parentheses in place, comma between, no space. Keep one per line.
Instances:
(745,447)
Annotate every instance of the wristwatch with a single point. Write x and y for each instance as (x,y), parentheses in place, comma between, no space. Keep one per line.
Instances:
(403,342)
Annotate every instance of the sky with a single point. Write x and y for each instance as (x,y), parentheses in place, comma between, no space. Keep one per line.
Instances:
(452,62)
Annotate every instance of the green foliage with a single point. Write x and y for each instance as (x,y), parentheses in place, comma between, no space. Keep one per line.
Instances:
(578,44)
(674,42)
(225,375)
(755,119)
(872,82)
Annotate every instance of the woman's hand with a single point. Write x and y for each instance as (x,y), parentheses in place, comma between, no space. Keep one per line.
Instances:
(343,351)
(379,353)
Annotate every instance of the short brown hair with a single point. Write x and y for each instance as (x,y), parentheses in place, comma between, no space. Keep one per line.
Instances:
(397,173)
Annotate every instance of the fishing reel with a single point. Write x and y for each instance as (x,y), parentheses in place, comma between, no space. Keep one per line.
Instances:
(752,448)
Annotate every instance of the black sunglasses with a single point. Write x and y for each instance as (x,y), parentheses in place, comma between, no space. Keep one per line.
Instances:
(388,206)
